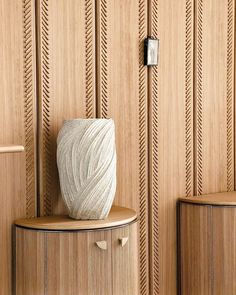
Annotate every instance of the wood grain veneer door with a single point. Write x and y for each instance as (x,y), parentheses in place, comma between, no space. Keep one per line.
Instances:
(17,124)
(99,264)
(171,133)
(214,90)
(122,95)
(66,264)
(224,250)
(30,254)
(125,261)
(196,249)
(66,82)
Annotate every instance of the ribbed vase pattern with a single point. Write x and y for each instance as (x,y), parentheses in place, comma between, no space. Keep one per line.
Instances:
(86,159)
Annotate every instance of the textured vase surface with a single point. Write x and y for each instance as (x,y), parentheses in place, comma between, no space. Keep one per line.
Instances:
(86,159)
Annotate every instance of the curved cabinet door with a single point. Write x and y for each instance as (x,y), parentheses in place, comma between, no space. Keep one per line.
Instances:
(195,253)
(30,253)
(125,260)
(97,262)
(207,249)
(65,263)
(224,250)
(59,263)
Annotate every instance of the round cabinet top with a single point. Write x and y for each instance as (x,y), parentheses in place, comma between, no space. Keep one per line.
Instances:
(216,199)
(118,216)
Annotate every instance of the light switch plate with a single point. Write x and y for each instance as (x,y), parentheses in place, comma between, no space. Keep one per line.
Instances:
(151,51)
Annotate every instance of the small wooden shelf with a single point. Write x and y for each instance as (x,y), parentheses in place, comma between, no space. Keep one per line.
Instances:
(118,216)
(11,148)
(217,199)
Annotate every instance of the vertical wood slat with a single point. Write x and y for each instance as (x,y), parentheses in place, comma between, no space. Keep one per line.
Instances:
(214,121)
(66,46)
(170,133)
(122,95)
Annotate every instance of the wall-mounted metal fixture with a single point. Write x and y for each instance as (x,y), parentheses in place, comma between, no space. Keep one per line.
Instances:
(151,51)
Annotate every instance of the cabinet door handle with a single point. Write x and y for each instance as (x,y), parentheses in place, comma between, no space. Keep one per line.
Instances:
(123,241)
(102,245)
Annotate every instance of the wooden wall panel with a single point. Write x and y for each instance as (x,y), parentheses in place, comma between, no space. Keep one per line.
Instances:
(17,87)
(122,95)
(214,96)
(66,82)
(171,133)
(17,125)
(12,196)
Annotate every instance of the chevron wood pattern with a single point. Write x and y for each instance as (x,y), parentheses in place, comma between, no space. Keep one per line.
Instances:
(143,156)
(189,47)
(90,57)
(45,102)
(214,142)
(170,113)
(103,54)
(29,104)
(199,81)
(154,159)
(230,95)
(67,82)
(123,97)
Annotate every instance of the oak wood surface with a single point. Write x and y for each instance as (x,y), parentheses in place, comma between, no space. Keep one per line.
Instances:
(66,264)
(17,125)
(66,60)
(12,196)
(207,249)
(118,90)
(214,90)
(99,262)
(29,264)
(122,89)
(124,261)
(118,216)
(170,133)
(72,263)
(195,250)
(225,198)
(224,249)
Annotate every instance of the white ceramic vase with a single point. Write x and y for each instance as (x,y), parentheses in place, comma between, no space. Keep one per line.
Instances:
(86,159)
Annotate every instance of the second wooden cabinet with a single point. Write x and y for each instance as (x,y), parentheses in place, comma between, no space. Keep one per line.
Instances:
(207,248)
(84,262)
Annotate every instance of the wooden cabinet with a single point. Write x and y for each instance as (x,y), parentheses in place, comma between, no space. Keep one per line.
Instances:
(86,257)
(208,245)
